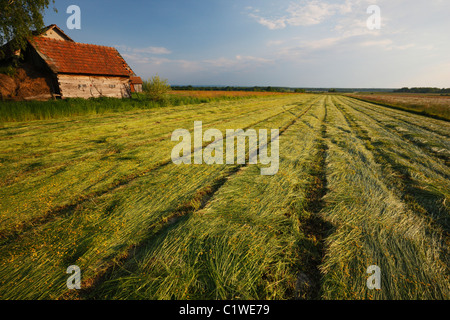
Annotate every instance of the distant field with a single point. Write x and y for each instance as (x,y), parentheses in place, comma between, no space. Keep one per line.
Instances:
(426,104)
(223,94)
(358,185)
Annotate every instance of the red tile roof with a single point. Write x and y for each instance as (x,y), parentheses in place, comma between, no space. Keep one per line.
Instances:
(80,58)
(136,80)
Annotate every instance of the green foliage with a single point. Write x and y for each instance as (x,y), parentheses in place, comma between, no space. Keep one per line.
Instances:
(18,18)
(8,70)
(156,89)
(11,111)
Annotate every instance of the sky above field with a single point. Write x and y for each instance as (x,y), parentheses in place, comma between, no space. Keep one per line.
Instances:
(294,43)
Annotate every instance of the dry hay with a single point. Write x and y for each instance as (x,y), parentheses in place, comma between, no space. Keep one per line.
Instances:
(27,83)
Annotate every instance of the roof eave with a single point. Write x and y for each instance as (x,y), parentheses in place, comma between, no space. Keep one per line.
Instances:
(93,74)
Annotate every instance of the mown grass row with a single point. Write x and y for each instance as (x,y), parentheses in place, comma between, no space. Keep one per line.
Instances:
(433,125)
(373,224)
(422,181)
(102,230)
(431,137)
(249,242)
(436,130)
(431,106)
(47,166)
(144,228)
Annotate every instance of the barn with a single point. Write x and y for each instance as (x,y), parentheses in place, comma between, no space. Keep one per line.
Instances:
(136,84)
(78,70)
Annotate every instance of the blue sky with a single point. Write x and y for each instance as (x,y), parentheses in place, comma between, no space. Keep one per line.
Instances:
(295,43)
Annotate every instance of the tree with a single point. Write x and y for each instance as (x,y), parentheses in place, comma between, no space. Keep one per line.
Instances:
(156,88)
(18,18)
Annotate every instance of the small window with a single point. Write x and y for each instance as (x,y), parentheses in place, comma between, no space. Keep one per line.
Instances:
(112,86)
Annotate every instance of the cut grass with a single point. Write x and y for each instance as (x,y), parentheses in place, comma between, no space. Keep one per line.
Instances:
(84,158)
(431,136)
(433,106)
(101,229)
(423,177)
(375,227)
(247,243)
(100,191)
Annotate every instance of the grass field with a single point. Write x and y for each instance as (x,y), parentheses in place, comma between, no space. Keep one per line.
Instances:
(358,185)
(433,105)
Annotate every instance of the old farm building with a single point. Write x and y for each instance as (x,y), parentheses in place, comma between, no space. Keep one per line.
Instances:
(77,70)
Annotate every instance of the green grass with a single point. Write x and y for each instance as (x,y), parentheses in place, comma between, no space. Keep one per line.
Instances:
(18,111)
(82,158)
(376,223)
(358,185)
(101,228)
(245,244)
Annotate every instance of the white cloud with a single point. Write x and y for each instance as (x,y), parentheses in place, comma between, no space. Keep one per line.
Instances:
(303,13)
(299,49)
(252,58)
(271,43)
(323,43)
(333,45)
(135,58)
(139,59)
(272,24)
(387,45)
(152,50)
(309,13)
(348,31)
(146,50)
(239,62)
(376,43)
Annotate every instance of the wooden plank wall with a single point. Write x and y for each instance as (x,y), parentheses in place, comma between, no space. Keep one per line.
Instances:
(54,34)
(77,86)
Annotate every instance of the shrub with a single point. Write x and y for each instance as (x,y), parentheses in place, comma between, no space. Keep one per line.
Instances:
(156,89)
